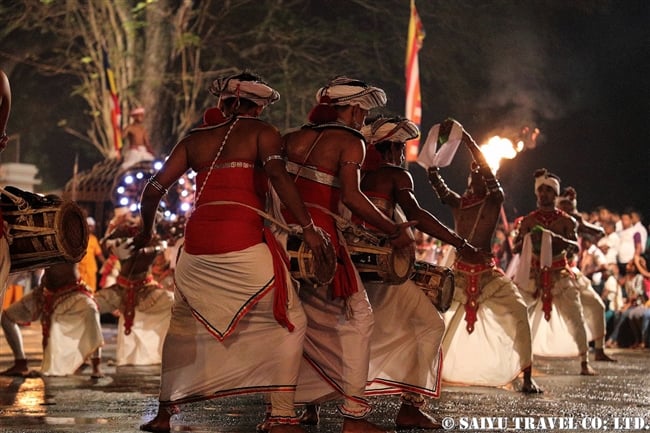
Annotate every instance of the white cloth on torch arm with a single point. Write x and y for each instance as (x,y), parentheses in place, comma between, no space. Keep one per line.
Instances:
(429,157)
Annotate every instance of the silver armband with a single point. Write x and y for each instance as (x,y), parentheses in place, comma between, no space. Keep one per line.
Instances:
(271,158)
(154,183)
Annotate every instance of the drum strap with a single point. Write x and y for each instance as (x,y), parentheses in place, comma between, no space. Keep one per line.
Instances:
(20,202)
(256,210)
(312,174)
(345,225)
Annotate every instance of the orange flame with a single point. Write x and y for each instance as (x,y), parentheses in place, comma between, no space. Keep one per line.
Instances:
(498,148)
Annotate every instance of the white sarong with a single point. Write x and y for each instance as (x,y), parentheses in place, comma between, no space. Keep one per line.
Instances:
(143,345)
(337,349)
(499,347)
(223,338)
(593,309)
(405,353)
(564,335)
(75,331)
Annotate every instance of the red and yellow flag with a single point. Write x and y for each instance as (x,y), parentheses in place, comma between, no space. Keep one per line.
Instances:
(116,112)
(413,96)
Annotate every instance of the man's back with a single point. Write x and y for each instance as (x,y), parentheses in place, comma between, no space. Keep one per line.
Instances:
(325,148)
(136,136)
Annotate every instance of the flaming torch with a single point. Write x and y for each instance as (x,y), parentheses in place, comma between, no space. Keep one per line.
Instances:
(496,149)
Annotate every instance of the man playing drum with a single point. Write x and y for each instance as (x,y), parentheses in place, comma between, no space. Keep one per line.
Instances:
(405,356)
(235,309)
(325,158)
(494,346)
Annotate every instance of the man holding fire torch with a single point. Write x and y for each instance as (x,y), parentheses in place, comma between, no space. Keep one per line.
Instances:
(495,346)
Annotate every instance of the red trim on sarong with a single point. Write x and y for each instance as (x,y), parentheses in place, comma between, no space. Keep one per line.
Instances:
(128,298)
(221,336)
(281,292)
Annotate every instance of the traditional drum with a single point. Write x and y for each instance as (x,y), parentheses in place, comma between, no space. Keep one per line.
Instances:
(43,230)
(437,282)
(380,262)
(303,266)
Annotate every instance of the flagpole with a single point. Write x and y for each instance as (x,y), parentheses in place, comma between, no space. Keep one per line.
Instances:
(413,109)
(75,171)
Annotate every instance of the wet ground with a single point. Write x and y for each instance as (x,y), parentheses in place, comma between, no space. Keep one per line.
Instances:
(616,400)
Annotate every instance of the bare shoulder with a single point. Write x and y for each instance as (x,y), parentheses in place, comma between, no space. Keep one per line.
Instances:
(569,221)
(257,124)
(526,223)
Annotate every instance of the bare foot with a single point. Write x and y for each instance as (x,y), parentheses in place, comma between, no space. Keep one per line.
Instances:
(531,387)
(601,356)
(410,417)
(97,374)
(586,370)
(160,423)
(311,415)
(19,369)
(360,426)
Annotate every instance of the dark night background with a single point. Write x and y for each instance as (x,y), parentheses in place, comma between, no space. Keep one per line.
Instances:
(578,71)
(586,89)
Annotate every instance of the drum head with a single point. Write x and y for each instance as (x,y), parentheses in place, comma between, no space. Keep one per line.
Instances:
(403,260)
(72,231)
(447,292)
(325,272)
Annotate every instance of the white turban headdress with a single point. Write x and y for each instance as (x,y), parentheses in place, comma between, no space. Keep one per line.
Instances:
(347,91)
(244,86)
(546,178)
(398,130)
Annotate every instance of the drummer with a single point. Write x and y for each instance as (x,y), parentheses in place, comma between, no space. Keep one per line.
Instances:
(496,321)
(388,184)
(325,158)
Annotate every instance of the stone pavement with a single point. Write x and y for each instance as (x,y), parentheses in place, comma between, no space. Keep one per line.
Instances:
(616,400)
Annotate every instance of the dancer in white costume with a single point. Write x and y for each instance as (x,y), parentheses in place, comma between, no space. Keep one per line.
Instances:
(144,306)
(69,317)
(545,279)
(494,345)
(237,324)
(593,306)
